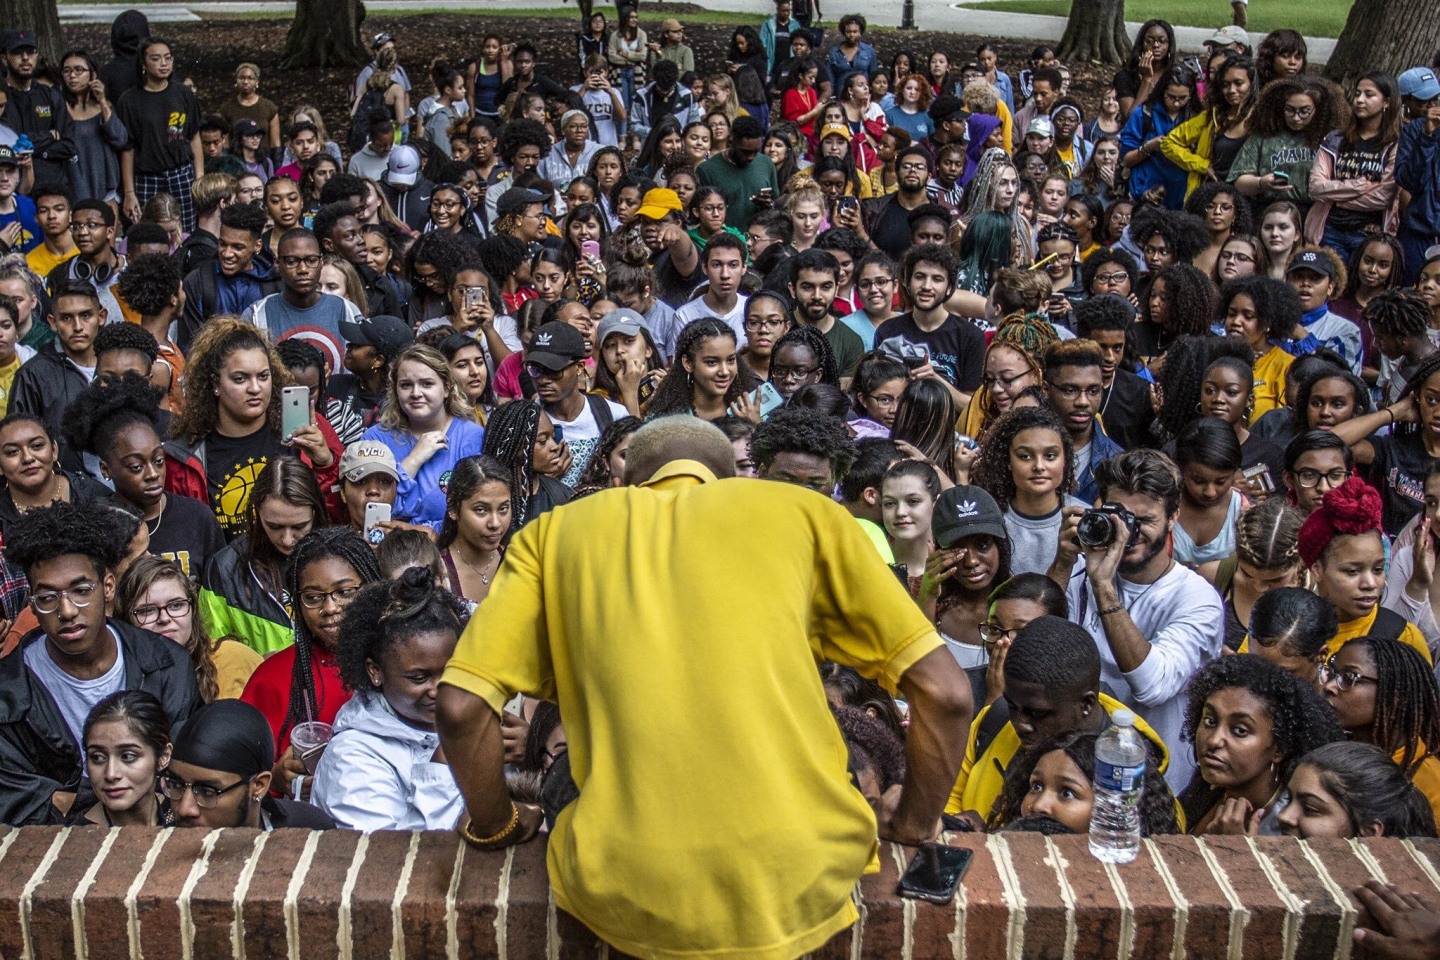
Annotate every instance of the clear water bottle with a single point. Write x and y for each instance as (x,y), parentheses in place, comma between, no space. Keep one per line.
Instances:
(1120,756)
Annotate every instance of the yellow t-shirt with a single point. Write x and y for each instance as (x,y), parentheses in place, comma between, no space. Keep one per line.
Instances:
(42,261)
(7,380)
(1426,778)
(1351,629)
(715,817)
(1269,389)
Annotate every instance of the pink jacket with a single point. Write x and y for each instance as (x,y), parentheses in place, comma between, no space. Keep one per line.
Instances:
(1360,194)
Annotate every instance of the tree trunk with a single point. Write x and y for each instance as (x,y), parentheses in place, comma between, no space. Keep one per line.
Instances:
(325,33)
(1095,32)
(1388,35)
(40,16)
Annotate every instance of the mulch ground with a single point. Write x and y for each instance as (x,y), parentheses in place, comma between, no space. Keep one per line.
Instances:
(209,51)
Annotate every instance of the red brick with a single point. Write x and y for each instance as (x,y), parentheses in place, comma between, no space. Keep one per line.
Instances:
(212,899)
(425,925)
(157,905)
(52,934)
(371,924)
(1263,936)
(107,922)
(263,914)
(1049,918)
(22,858)
(1208,914)
(318,907)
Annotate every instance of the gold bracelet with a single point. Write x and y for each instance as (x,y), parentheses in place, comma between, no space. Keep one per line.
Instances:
(510,824)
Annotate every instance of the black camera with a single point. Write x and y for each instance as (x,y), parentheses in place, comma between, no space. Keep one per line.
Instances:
(1096,531)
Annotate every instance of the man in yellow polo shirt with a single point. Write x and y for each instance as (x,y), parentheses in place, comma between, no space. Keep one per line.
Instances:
(715,814)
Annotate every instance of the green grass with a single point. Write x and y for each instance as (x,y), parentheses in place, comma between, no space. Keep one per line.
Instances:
(549,13)
(1313,18)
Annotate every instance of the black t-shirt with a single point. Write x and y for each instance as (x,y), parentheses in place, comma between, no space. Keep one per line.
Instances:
(891,230)
(1127,83)
(1126,412)
(187,533)
(957,348)
(1362,160)
(161,126)
(232,464)
(1257,450)
(349,407)
(1398,472)
(672,286)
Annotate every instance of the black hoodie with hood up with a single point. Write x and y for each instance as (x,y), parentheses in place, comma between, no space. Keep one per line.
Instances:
(129,30)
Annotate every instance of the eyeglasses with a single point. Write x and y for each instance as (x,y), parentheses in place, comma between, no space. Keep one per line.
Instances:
(1311,478)
(291,263)
(81,595)
(1071,392)
(758,324)
(1115,277)
(883,401)
(316,600)
(1299,113)
(993,633)
(875,283)
(1343,679)
(70,71)
(87,226)
(174,610)
(918,165)
(451,205)
(205,795)
(1236,256)
(788,374)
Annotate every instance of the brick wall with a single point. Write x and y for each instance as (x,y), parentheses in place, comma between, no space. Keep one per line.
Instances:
(307,896)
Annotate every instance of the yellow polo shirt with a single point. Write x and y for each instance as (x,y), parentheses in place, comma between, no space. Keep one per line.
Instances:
(1269,389)
(716,817)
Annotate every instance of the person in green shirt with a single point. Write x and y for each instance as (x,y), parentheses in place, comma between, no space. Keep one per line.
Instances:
(744,175)
(814,279)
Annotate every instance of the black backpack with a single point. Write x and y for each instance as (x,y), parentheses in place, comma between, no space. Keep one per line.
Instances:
(372,101)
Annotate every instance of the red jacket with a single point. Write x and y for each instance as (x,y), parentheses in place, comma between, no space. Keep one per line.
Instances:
(185,468)
(268,689)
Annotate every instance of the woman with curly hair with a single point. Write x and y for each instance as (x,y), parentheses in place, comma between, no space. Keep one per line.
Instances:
(1225,213)
(1264,313)
(1291,119)
(157,596)
(607,467)
(431,265)
(1282,54)
(1350,790)
(521,438)
(383,768)
(1027,463)
(1054,780)
(1180,302)
(302,682)
(429,425)
(877,753)
(119,422)
(1165,237)
(1343,548)
(1251,723)
(1385,693)
(706,377)
(229,427)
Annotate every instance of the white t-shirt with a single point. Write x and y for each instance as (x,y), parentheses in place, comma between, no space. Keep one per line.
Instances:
(601,108)
(1182,617)
(698,309)
(582,435)
(75,698)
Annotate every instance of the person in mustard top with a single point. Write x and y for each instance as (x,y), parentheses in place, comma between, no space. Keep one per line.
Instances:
(1264,313)
(1347,790)
(1340,543)
(1384,694)
(714,814)
(1052,684)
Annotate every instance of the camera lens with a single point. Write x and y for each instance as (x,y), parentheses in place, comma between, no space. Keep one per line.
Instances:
(1095,529)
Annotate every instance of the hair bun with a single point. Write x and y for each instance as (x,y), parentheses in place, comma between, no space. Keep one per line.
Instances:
(414,584)
(1354,507)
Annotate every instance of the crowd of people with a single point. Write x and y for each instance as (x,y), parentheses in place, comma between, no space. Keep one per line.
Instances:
(1141,408)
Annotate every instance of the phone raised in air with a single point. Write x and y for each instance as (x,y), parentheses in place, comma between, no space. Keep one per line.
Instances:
(590,249)
(375,514)
(294,410)
(934,873)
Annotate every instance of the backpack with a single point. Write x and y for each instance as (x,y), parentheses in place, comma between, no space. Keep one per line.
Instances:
(371,102)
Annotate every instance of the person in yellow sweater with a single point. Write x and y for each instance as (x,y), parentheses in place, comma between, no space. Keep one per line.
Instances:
(1052,687)
(1205,145)
(1341,544)
(1262,312)
(1384,693)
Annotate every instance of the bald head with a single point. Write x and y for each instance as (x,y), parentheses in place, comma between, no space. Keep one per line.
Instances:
(677,437)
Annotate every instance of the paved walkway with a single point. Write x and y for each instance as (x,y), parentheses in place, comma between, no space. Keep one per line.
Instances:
(930,15)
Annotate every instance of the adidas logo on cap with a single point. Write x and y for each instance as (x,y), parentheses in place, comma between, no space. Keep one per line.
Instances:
(968,509)
(542,340)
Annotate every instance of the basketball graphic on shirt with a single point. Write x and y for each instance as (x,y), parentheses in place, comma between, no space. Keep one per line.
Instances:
(235,492)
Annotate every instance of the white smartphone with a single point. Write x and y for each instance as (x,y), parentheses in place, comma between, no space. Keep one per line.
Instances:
(375,514)
(294,410)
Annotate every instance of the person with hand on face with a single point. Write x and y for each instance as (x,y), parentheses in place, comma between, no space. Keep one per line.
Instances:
(301,309)
(629,369)
(1353,790)
(554,362)
(384,768)
(353,399)
(127,748)
(238,277)
(46,384)
(1251,723)
(74,659)
(220,774)
(36,110)
(953,348)
(743,174)
(1154,620)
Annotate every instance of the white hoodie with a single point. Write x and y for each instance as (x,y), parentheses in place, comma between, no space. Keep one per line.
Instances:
(377,774)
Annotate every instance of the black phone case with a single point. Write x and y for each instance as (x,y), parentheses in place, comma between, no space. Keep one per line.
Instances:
(934,873)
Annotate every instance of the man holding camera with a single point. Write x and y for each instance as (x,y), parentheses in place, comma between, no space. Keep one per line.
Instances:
(1156,622)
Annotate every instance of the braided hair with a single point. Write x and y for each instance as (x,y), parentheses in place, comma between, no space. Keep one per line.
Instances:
(992,471)
(816,343)
(1267,535)
(1407,701)
(510,439)
(1398,313)
(343,543)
